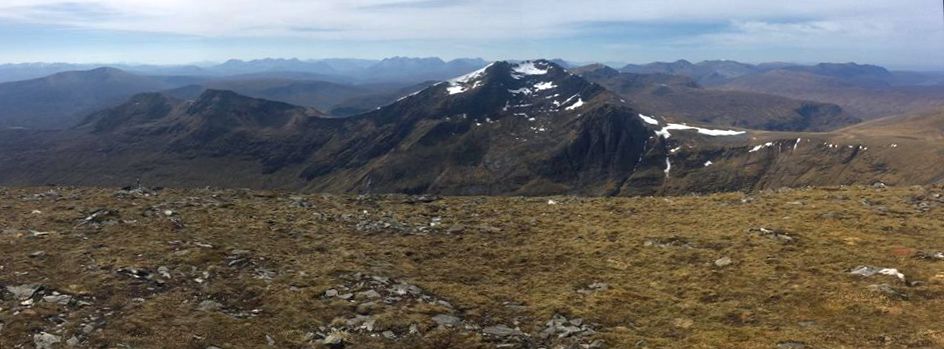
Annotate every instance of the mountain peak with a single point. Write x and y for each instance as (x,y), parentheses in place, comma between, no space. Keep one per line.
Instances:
(99,73)
(596,70)
(226,103)
(530,89)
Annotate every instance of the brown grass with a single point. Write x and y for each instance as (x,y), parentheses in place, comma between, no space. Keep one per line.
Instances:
(519,250)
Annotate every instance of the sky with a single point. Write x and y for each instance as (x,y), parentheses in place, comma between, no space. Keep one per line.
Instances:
(906,34)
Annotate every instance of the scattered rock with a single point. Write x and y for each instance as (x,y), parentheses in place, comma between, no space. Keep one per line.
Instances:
(73,341)
(61,299)
(501,331)
(455,229)
(369,294)
(335,340)
(723,262)
(594,287)
(773,234)
(561,327)
(868,271)
(209,305)
(137,191)
(887,290)
(300,202)
(932,256)
(164,271)
(98,216)
(361,322)
(45,340)
(366,308)
(23,292)
(422,199)
(674,241)
(446,320)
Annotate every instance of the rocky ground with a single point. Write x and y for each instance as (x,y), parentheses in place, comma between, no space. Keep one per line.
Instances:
(856,267)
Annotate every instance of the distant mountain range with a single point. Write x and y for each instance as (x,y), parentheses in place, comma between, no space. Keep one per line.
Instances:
(527,128)
(61,99)
(864,91)
(773,96)
(394,69)
(719,72)
(867,96)
(682,99)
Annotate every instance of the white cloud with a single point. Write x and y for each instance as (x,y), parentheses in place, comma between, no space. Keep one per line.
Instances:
(430,19)
(898,28)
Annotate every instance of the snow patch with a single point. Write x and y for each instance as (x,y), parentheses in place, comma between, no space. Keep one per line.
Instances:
(456,89)
(797,144)
(579,103)
(528,68)
(523,90)
(459,85)
(410,95)
(668,166)
(649,120)
(542,86)
(762,146)
(708,163)
(664,132)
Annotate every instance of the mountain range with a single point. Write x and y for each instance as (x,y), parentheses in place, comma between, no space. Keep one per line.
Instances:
(527,128)
(683,99)
(864,91)
(61,99)
(339,70)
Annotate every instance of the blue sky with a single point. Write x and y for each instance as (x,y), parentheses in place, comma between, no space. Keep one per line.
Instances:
(899,33)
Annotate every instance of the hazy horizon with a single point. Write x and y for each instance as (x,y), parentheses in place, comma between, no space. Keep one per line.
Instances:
(894,34)
(614,64)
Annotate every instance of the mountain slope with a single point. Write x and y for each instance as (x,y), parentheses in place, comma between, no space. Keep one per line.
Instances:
(338,99)
(60,100)
(530,128)
(682,99)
